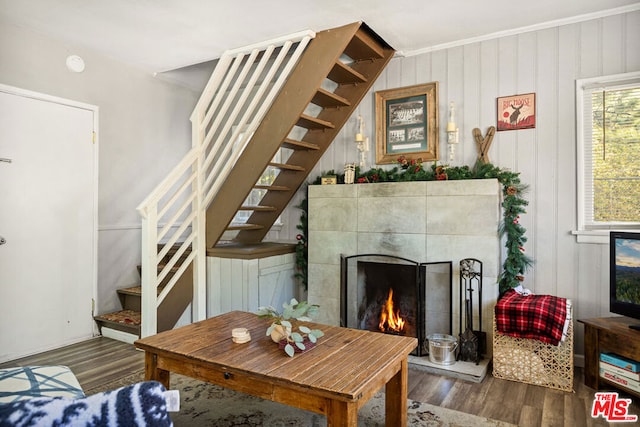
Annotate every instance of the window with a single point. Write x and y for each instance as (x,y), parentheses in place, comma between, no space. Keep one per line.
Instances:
(608,127)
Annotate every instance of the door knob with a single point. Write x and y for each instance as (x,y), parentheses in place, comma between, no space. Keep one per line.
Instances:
(2,240)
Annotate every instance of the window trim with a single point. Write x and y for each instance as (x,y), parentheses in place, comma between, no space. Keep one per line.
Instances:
(583,85)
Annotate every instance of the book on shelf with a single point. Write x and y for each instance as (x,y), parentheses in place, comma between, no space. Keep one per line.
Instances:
(620,361)
(618,379)
(620,371)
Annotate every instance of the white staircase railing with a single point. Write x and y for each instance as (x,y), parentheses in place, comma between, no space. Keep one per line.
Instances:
(239,93)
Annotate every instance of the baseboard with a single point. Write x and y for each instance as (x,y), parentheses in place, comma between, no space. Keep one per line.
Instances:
(118,335)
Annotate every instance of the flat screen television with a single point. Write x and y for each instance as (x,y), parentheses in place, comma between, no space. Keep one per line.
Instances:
(625,274)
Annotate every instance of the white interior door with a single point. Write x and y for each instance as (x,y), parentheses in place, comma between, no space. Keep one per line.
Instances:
(48,221)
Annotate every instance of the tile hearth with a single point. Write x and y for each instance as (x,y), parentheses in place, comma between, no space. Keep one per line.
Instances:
(467,371)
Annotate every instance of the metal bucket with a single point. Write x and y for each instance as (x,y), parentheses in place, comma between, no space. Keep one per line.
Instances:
(442,349)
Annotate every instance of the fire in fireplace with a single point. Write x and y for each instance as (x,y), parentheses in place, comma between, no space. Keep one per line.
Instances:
(385,297)
(394,295)
(390,319)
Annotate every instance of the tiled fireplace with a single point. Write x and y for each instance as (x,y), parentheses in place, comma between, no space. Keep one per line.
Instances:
(429,222)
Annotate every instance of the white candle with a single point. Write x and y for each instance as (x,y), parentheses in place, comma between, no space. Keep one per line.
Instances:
(360,134)
(451,125)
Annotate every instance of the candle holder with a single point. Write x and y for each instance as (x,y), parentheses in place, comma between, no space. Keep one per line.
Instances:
(362,143)
(452,132)
(349,173)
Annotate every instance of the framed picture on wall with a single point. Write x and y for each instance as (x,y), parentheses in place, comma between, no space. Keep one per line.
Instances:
(517,112)
(407,123)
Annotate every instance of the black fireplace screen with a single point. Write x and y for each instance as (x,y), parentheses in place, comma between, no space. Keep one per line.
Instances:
(394,295)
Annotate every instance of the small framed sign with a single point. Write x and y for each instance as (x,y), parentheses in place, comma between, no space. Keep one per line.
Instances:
(517,112)
(329,180)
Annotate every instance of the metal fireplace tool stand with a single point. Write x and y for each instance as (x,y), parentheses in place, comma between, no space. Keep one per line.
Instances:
(473,343)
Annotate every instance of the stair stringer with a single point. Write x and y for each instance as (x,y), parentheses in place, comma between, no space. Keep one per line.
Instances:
(173,306)
(323,138)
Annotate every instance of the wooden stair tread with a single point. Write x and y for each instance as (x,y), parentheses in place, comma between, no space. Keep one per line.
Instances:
(171,252)
(343,74)
(245,227)
(122,317)
(299,145)
(309,122)
(257,208)
(364,47)
(272,187)
(174,248)
(326,99)
(285,166)
(135,291)
(175,267)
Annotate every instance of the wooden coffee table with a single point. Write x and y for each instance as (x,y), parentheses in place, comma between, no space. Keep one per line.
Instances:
(335,378)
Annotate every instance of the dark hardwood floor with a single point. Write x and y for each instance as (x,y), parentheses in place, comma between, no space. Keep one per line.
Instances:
(94,362)
(102,360)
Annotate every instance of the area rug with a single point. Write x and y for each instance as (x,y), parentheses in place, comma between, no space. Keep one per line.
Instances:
(204,405)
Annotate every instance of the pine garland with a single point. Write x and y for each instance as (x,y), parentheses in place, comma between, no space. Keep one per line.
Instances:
(302,248)
(513,204)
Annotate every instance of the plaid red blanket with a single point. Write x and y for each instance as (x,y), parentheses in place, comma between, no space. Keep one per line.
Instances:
(539,317)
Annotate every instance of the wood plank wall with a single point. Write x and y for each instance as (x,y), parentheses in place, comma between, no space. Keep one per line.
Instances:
(547,62)
(246,284)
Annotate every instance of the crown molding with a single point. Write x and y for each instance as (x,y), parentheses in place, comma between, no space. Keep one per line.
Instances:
(515,31)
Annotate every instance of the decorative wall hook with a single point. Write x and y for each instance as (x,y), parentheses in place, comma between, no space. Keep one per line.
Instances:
(484,143)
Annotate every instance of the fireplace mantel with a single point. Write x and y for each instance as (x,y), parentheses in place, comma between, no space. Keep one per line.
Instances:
(424,221)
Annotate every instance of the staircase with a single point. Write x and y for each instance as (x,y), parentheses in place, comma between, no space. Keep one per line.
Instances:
(289,96)
(347,60)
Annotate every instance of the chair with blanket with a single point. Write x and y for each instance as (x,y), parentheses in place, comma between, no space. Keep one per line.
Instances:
(51,395)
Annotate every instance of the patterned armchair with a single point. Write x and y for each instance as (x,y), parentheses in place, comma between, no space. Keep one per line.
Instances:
(51,395)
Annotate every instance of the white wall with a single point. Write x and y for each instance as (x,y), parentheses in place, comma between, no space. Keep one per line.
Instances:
(144,131)
(546,62)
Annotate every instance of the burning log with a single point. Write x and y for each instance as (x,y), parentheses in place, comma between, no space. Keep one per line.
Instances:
(390,320)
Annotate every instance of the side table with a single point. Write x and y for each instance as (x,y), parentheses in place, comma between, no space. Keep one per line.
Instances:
(608,334)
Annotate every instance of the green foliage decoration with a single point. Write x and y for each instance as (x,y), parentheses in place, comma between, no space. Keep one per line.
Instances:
(302,248)
(513,205)
(282,328)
